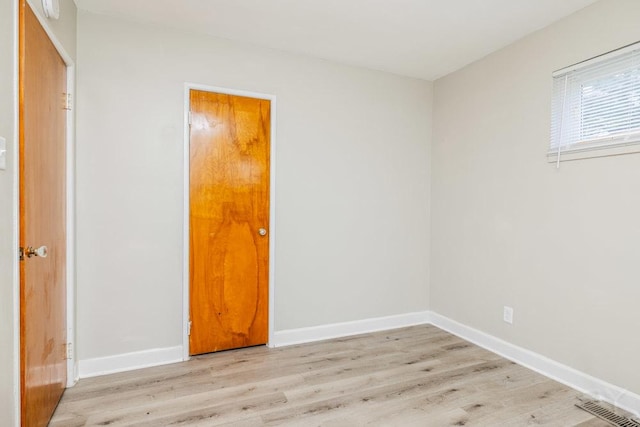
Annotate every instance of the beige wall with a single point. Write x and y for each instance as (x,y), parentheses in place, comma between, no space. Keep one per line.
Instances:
(351,178)
(559,246)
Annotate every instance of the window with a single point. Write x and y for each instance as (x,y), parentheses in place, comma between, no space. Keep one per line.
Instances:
(596,107)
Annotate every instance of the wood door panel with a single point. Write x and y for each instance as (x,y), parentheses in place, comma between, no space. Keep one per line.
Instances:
(43,83)
(229,204)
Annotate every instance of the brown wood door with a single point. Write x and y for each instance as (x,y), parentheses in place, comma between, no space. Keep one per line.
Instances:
(43,83)
(229,221)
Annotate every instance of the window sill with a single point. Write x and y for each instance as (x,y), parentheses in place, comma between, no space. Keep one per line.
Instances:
(592,152)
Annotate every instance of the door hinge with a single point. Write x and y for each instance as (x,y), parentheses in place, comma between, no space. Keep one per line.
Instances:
(189,328)
(68,351)
(189,117)
(67,101)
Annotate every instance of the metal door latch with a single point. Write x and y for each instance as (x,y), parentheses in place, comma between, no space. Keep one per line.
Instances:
(29,252)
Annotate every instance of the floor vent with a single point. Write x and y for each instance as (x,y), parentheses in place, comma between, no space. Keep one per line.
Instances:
(600,411)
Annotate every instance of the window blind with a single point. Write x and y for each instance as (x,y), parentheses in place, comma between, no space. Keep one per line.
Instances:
(597,104)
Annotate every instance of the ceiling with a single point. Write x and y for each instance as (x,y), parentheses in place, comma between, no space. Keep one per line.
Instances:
(419,38)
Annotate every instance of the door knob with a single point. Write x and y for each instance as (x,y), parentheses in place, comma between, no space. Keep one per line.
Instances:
(41,252)
(262,231)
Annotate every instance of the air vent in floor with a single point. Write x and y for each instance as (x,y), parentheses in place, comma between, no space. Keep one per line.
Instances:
(611,417)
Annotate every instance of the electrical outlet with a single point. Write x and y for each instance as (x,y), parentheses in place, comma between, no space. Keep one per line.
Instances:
(3,153)
(508,315)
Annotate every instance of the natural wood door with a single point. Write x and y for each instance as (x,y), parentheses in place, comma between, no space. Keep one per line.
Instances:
(43,83)
(229,204)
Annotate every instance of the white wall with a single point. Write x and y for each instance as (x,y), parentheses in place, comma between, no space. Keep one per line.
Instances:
(352,183)
(562,247)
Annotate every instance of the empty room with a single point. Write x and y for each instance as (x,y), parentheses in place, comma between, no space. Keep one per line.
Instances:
(319,213)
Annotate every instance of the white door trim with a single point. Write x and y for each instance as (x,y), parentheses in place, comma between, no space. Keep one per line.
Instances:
(72,362)
(272,207)
(15,200)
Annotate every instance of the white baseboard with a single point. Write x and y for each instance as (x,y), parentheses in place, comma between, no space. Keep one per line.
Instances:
(338,330)
(564,374)
(550,368)
(72,373)
(129,361)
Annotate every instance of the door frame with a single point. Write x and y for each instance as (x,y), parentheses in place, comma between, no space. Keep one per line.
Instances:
(72,365)
(187,200)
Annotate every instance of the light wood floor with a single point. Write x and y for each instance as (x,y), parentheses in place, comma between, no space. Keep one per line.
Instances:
(418,376)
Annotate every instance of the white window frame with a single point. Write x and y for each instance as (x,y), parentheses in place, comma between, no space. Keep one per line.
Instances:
(626,143)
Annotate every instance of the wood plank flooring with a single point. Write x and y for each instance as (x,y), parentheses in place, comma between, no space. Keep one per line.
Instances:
(417,376)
